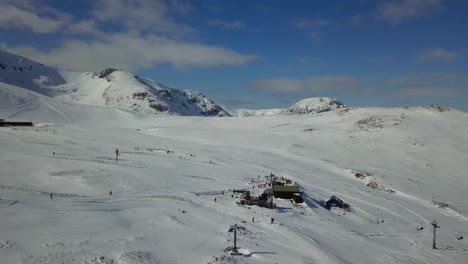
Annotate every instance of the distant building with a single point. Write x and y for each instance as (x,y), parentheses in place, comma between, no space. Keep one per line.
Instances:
(4,123)
(288,192)
(336,202)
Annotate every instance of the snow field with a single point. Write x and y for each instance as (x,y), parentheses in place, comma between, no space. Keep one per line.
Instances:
(154,215)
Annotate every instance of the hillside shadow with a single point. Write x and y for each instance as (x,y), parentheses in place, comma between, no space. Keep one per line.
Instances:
(281,209)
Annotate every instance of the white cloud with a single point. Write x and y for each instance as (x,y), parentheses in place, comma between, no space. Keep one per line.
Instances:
(419,92)
(357,19)
(434,84)
(395,11)
(304,23)
(133,51)
(426,79)
(335,84)
(311,26)
(227,24)
(314,35)
(85,27)
(141,15)
(144,34)
(181,7)
(13,17)
(437,54)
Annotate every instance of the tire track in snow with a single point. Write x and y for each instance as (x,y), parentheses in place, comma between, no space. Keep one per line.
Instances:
(55,109)
(20,105)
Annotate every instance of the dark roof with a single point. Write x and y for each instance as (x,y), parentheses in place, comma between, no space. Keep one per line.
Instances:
(336,199)
(283,188)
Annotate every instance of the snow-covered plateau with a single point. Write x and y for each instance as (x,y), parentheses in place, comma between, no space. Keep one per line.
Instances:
(397,168)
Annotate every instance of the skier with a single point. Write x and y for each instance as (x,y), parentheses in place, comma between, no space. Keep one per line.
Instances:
(272,220)
(253,219)
(110,193)
(51,196)
(215,200)
(116,154)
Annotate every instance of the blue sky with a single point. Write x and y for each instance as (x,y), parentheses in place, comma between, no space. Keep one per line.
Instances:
(258,54)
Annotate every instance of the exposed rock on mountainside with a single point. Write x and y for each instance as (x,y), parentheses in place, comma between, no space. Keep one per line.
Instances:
(109,87)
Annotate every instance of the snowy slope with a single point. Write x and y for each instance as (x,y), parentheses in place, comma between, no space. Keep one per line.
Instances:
(110,87)
(260,112)
(156,216)
(23,72)
(305,106)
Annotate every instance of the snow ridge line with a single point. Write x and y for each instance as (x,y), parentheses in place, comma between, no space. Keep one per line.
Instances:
(20,189)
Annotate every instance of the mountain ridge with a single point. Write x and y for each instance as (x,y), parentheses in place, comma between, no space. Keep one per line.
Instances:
(109,87)
(311,105)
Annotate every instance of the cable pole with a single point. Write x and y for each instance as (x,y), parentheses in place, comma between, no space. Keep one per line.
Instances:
(234,249)
(435,226)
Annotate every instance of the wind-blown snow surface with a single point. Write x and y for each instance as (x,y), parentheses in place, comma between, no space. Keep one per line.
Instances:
(154,215)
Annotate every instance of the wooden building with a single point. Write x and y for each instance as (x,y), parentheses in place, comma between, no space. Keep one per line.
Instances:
(336,202)
(287,192)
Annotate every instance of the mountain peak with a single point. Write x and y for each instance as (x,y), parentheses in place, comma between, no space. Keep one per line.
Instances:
(110,87)
(104,73)
(314,105)
(311,105)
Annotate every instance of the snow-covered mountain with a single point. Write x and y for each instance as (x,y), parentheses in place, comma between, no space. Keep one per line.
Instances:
(313,106)
(22,72)
(306,106)
(109,87)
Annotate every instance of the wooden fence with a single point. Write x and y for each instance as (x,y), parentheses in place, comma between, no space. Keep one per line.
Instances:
(21,189)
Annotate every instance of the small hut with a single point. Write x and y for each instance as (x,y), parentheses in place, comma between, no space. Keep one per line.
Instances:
(336,202)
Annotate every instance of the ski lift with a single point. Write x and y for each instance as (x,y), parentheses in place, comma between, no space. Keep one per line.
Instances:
(419,227)
(459,236)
